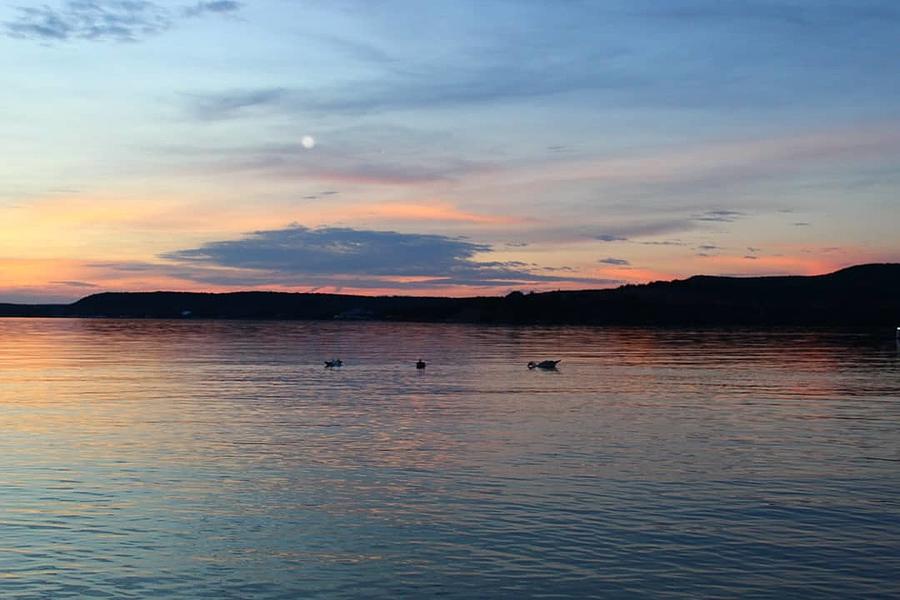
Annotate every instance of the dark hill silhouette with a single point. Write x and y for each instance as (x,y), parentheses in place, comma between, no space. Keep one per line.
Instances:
(861,295)
(33,310)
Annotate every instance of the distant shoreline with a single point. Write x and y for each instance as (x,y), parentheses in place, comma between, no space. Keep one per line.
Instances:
(863,295)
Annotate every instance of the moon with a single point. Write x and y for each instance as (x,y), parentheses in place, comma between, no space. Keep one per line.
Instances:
(308,141)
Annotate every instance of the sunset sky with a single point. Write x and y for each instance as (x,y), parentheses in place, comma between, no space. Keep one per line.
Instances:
(442,147)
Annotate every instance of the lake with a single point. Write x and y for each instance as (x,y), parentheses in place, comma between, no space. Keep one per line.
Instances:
(192,459)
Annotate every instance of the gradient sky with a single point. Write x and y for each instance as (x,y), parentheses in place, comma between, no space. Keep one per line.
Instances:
(442,147)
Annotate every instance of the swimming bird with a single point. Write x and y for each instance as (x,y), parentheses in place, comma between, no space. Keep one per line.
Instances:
(420,364)
(334,362)
(548,365)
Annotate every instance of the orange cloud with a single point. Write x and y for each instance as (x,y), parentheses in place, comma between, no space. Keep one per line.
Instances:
(426,211)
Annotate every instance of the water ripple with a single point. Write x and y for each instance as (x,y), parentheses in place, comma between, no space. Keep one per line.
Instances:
(192,459)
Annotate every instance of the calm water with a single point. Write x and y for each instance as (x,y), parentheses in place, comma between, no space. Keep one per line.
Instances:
(194,459)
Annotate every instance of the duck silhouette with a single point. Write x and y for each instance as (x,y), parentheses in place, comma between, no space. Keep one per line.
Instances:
(547,365)
(334,362)
(420,364)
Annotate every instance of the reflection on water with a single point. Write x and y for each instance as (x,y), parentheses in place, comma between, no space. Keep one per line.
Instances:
(220,459)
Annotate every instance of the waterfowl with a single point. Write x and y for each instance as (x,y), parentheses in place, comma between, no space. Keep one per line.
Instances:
(548,365)
(334,362)
(420,364)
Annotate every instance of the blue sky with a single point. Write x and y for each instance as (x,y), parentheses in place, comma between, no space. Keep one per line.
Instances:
(442,147)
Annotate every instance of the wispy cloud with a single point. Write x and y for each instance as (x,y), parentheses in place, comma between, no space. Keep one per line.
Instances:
(346,163)
(433,88)
(220,7)
(427,85)
(320,195)
(603,51)
(75,284)
(720,216)
(95,20)
(104,20)
(233,103)
(633,231)
(614,261)
(728,161)
(663,243)
(804,14)
(610,237)
(422,211)
(625,232)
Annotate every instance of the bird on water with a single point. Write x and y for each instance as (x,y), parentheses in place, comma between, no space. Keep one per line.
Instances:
(547,365)
(334,362)
(420,364)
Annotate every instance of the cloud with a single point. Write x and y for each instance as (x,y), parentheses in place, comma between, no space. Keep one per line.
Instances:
(330,250)
(103,20)
(720,166)
(419,211)
(719,216)
(810,14)
(454,87)
(432,89)
(638,55)
(354,49)
(345,162)
(395,155)
(614,261)
(664,243)
(299,255)
(423,85)
(215,7)
(337,250)
(352,170)
(320,195)
(233,103)
(625,232)
(549,52)
(78,284)
(96,20)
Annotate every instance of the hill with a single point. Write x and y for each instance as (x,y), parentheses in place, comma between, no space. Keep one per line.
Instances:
(860,295)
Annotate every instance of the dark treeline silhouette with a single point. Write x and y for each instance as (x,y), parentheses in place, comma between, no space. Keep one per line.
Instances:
(33,310)
(861,295)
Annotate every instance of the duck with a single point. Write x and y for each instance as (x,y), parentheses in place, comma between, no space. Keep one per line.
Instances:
(420,364)
(549,365)
(334,362)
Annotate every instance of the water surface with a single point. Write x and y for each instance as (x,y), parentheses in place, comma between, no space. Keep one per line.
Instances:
(188,459)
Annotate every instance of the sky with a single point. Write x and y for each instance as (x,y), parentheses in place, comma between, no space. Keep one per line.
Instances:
(447,147)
